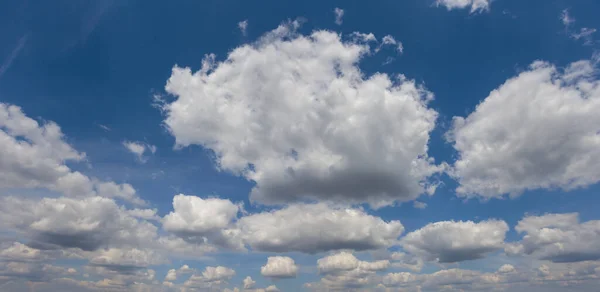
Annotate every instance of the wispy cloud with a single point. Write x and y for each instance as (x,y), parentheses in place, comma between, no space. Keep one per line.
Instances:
(584,33)
(339,14)
(14,54)
(243,25)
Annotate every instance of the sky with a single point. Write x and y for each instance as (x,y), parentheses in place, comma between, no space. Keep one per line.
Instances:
(221,145)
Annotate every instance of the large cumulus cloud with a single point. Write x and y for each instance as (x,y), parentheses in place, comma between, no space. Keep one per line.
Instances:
(296,115)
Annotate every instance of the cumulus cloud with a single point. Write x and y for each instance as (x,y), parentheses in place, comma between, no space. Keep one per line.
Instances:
(34,156)
(474,5)
(455,241)
(538,130)
(211,278)
(296,115)
(248,283)
(87,223)
(343,271)
(339,15)
(315,228)
(139,148)
(559,238)
(203,220)
(279,267)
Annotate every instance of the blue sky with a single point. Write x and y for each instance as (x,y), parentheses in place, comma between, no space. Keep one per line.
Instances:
(251,131)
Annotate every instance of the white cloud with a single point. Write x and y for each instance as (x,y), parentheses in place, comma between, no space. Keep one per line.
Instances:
(243,26)
(475,5)
(343,271)
(419,205)
(339,14)
(538,130)
(200,220)
(87,223)
(566,18)
(33,156)
(560,237)
(279,267)
(314,228)
(211,278)
(343,261)
(139,148)
(249,283)
(124,260)
(296,115)
(406,261)
(455,241)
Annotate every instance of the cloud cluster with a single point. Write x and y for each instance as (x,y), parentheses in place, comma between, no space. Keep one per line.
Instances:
(559,238)
(34,155)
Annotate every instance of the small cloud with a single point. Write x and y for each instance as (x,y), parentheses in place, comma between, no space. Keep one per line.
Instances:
(566,19)
(139,148)
(104,127)
(475,5)
(243,26)
(419,205)
(389,40)
(339,14)
(584,34)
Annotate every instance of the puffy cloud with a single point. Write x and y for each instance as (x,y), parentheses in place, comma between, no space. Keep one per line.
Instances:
(316,227)
(506,268)
(450,241)
(279,267)
(296,115)
(139,148)
(560,238)
(339,15)
(87,223)
(199,220)
(34,156)
(249,283)
(475,5)
(538,130)
(343,271)
(343,261)
(211,277)
(172,274)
